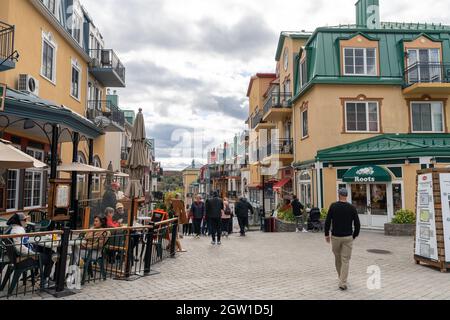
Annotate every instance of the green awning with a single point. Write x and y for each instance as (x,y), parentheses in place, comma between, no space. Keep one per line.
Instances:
(367,174)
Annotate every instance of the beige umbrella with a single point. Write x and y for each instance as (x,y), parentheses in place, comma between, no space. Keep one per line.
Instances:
(13,158)
(121,175)
(80,168)
(137,158)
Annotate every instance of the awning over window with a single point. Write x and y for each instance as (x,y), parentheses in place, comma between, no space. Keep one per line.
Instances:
(367,174)
(282,183)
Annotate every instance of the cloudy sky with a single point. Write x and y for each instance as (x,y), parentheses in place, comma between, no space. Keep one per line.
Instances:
(189,62)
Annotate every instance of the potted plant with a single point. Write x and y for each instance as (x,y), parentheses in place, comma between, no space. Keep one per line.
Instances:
(403,224)
(285,220)
(323,215)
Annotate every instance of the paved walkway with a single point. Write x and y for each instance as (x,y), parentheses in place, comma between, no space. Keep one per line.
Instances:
(280,266)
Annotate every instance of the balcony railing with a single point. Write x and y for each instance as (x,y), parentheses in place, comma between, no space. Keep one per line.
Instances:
(427,73)
(283,146)
(257,119)
(6,41)
(278,100)
(105,108)
(103,61)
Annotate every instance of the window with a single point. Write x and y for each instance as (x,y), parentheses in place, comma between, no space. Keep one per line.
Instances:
(305,189)
(48,69)
(287,87)
(303,74)
(397,196)
(147,183)
(424,65)
(12,190)
(96,178)
(305,132)
(75,85)
(33,183)
(427,117)
(361,117)
(81,178)
(360,61)
(76,27)
(50,5)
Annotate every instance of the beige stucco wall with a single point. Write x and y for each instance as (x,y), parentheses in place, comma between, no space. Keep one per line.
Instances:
(326,115)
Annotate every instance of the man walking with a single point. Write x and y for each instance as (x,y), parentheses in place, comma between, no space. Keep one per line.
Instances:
(297,208)
(242,209)
(198,213)
(341,218)
(214,209)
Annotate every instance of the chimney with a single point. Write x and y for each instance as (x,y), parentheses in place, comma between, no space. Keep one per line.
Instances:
(368,14)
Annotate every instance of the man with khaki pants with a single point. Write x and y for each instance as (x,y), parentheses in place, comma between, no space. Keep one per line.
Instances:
(342,216)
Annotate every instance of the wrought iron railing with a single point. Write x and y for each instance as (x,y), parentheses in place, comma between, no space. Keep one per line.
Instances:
(107,58)
(257,119)
(277,100)
(427,73)
(105,108)
(6,41)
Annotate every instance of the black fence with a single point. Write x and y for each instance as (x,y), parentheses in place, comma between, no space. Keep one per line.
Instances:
(105,108)
(6,41)
(427,73)
(107,58)
(60,261)
(278,100)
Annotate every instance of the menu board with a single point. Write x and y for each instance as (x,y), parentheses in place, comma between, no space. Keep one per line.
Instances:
(426,241)
(62,196)
(445,196)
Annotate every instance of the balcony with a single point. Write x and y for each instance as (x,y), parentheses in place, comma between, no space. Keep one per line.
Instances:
(106,115)
(258,123)
(282,149)
(427,78)
(106,67)
(7,61)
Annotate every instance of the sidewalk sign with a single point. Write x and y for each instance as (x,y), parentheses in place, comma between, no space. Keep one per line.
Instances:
(432,242)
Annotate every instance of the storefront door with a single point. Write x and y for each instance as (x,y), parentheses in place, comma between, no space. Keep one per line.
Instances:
(371,202)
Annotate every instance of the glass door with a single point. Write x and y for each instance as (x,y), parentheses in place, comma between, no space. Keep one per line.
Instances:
(424,65)
(360,200)
(378,205)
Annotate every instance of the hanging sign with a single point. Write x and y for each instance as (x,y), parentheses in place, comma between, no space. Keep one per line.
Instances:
(2,96)
(445,197)
(426,241)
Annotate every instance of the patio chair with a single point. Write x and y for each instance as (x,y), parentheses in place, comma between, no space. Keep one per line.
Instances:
(90,261)
(19,266)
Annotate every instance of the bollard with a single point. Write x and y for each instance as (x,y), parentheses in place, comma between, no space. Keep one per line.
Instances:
(174,239)
(149,249)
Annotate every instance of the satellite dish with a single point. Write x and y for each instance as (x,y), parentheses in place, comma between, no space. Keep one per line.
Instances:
(102,122)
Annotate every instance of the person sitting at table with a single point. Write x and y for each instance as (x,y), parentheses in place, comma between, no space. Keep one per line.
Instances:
(94,241)
(17,226)
(110,223)
(120,213)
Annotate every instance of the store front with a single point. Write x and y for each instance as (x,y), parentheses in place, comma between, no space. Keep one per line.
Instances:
(370,191)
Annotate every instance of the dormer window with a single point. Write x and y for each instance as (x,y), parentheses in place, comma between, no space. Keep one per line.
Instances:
(360,61)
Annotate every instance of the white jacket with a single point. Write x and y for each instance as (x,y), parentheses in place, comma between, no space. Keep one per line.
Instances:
(21,242)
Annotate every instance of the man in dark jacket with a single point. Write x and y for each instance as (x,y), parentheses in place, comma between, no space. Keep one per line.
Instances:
(242,209)
(341,218)
(297,208)
(214,209)
(198,213)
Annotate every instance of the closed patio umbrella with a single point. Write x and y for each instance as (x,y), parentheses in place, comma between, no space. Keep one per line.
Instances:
(13,158)
(80,168)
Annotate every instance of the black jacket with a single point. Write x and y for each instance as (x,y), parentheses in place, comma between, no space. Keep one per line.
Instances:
(341,218)
(242,208)
(198,210)
(214,208)
(297,207)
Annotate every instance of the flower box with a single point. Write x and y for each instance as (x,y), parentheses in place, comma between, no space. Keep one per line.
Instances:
(283,226)
(399,230)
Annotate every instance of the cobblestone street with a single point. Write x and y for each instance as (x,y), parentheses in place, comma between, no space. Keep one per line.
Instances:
(279,266)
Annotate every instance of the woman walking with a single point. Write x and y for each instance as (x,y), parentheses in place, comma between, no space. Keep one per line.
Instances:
(198,214)
(226,217)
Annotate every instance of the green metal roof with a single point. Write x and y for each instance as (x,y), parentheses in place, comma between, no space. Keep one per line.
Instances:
(23,105)
(289,34)
(390,146)
(324,56)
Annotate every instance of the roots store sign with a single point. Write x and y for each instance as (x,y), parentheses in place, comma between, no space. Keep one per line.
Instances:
(367,174)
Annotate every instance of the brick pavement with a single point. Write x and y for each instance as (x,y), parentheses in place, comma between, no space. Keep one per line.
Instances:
(279,266)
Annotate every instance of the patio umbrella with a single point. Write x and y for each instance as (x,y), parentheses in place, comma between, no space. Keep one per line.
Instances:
(80,168)
(13,158)
(137,159)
